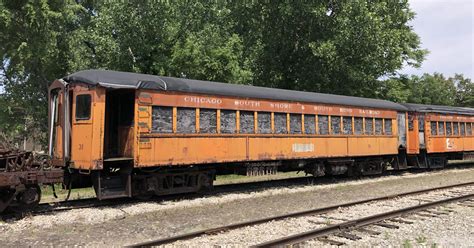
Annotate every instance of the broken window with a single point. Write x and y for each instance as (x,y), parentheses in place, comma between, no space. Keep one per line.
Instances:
(456,128)
(247,122)
(347,125)
(295,123)
(162,119)
(388,126)
(335,124)
(208,121)
(323,124)
(264,122)
(280,123)
(449,130)
(309,124)
(463,129)
(358,125)
(369,126)
(186,120)
(433,128)
(440,128)
(378,126)
(228,121)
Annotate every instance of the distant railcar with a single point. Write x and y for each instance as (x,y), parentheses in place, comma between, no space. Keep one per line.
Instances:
(131,134)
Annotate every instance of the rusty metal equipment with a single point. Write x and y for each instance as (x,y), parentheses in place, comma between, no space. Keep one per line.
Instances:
(21,176)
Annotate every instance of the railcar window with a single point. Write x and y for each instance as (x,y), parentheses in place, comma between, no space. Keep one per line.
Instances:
(323,124)
(247,122)
(228,121)
(309,124)
(433,128)
(388,126)
(347,125)
(264,122)
(295,123)
(440,128)
(280,123)
(456,128)
(378,126)
(463,129)
(411,122)
(358,125)
(449,130)
(369,126)
(186,120)
(421,123)
(162,119)
(83,107)
(208,121)
(469,128)
(335,124)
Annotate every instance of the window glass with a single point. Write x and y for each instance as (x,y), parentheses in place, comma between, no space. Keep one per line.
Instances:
(347,125)
(162,119)
(449,131)
(186,120)
(208,121)
(323,124)
(378,126)
(264,122)
(456,128)
(358,125)
(388,126)
(83,107)
(463,128)
(369,128)
(295,123)
(247,122)
(440,128)
(309,124)
(469,128)
(228,121)
(280,123)
(335,124)
(433,128)
(421,123)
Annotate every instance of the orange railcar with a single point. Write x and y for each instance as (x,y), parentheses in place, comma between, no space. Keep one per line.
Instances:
(134,134)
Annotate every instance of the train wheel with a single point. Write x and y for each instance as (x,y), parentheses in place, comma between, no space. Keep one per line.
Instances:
(29,198)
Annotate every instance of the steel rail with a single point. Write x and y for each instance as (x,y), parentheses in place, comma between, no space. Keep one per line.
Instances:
(357,223)
(315,211)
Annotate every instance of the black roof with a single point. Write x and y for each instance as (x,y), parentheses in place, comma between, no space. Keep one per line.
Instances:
(115,79)
(439,109)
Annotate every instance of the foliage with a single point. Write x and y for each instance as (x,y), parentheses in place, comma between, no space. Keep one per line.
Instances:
(339,47)
(429,89)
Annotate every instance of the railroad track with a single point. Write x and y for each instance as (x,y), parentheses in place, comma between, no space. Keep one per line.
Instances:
(62,206)
(341,229)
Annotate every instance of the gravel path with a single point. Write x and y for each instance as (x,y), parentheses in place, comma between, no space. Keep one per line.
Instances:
(132,223)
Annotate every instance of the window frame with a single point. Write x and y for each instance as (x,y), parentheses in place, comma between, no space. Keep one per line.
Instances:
(82,119)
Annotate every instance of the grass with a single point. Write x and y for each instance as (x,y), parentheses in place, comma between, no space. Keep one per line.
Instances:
(47,191)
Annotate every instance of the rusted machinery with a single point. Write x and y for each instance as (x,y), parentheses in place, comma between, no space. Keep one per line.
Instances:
(21,176)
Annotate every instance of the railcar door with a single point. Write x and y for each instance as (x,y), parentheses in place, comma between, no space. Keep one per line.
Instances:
(56,119)
(413,144)
(87,129)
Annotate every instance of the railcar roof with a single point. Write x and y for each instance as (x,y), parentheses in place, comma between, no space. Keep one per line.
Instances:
(116,79)
(439,109)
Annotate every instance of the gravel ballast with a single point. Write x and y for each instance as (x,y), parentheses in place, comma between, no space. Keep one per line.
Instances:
(133,223)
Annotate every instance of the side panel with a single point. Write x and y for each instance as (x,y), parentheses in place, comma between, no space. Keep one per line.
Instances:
(413,141)
(87,135)
(439,141)
(195,150)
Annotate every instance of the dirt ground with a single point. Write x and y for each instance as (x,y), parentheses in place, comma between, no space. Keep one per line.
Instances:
(132,223)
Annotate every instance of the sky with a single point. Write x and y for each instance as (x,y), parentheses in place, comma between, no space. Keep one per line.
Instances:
(445,28)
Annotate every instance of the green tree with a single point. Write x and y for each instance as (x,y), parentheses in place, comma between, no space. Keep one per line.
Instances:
(328,46)
(464,92)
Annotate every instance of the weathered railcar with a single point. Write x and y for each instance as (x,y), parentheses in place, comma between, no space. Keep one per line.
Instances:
(438,134)
(132,134)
